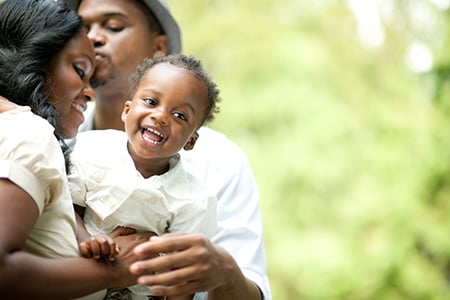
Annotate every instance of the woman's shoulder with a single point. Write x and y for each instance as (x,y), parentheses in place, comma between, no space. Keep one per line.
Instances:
(18,122)
(24,132)
(32,154)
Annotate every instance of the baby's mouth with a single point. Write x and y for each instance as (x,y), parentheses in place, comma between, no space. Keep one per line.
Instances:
(151,135)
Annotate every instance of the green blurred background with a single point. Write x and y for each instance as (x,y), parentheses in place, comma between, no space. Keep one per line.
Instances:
(343,109)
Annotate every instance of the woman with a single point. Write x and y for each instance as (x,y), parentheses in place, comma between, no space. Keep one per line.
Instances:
(46,61)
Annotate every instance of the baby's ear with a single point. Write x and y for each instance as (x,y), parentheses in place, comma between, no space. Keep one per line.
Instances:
(191,142)
(126,110)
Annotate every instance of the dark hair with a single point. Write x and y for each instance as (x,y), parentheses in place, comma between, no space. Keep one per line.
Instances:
(32,32)
(189,63)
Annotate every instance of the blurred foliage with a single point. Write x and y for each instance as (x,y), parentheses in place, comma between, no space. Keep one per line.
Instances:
(350,148)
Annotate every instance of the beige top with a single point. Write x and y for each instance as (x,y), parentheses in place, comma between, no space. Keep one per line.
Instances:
(30,156)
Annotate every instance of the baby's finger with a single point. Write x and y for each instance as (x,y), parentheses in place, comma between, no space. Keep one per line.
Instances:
(95,247)
(113,251)
(108,247)
(85,250)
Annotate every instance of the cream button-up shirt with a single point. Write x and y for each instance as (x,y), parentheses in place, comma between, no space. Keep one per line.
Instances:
(104,180)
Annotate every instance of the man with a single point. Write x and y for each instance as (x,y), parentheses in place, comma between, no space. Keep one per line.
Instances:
(124,32)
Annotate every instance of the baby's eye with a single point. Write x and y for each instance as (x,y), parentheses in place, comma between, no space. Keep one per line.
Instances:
(79,71)
(180,116)
(150,101)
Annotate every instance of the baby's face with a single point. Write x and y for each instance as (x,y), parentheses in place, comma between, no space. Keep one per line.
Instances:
(165,112)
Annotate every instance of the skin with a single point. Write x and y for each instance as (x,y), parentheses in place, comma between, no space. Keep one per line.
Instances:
(112,25)
(24,275)
(70,72)
(171,102)
(198,264)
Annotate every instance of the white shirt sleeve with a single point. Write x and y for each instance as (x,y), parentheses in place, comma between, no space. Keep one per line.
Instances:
(30,156)
(224,168)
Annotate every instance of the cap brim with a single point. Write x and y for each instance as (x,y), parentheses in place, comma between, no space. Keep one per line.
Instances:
(164,17)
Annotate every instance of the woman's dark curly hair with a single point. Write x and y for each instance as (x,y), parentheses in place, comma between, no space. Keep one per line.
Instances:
(32,32)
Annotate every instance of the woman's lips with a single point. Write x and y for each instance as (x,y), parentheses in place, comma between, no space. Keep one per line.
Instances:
(79,106)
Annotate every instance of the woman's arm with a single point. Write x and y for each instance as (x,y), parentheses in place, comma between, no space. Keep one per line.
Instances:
(27,276)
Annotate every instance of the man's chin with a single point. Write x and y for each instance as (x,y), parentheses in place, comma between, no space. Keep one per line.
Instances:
(101,76)
(97,81)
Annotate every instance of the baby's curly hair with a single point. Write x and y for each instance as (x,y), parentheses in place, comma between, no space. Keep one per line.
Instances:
(189,63)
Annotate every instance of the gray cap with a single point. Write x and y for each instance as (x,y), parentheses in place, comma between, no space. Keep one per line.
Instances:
(161,10)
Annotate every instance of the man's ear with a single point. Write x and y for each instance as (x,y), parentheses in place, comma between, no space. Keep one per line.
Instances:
(161,45)
(191,142)
(126,110)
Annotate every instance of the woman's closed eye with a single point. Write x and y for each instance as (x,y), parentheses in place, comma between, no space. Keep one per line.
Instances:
(79,71)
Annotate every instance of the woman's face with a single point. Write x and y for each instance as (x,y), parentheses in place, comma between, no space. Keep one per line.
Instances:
(69,73)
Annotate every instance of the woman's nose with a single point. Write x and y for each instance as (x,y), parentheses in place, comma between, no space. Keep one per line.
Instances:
(88,93)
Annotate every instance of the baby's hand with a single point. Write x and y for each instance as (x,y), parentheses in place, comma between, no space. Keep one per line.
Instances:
(99,246)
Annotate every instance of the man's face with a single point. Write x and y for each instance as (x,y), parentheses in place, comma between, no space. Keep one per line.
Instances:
(122,38)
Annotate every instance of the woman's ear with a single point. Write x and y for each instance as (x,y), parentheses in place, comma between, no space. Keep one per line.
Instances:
(126,110)
(191,142)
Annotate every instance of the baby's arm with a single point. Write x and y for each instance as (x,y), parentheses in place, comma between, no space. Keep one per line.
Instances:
(93,246)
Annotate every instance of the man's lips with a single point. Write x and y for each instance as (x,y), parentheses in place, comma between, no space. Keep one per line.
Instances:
(99,56)
(99,53)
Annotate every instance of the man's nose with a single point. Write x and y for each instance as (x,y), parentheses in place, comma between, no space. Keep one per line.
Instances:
(96,35)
